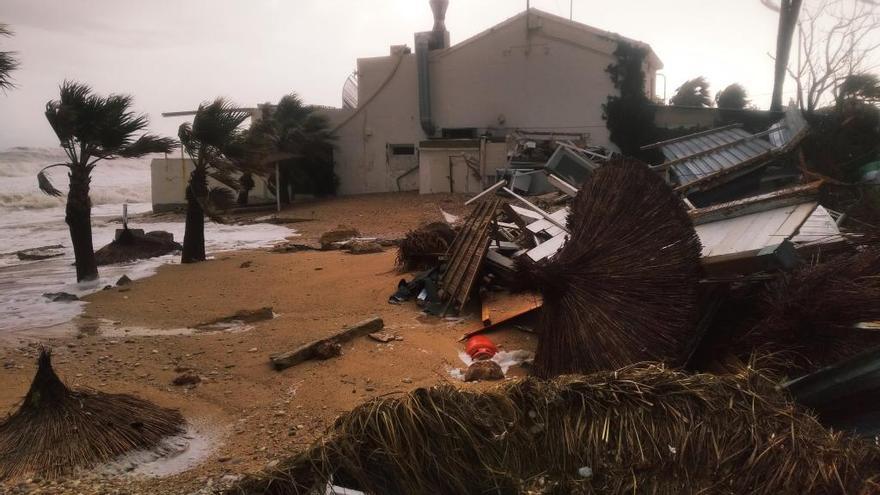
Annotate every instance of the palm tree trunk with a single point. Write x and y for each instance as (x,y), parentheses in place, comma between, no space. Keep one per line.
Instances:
(284,184)
(79,222)
(194,230)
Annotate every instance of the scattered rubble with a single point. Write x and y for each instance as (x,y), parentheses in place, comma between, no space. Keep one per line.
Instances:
(60,296)
(363,247)
(241,317)
(486,370)
(40,253)
(186,379)
(134,244)
(341,233)
(384,337)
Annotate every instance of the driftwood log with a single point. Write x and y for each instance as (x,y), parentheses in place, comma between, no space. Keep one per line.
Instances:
(317,349)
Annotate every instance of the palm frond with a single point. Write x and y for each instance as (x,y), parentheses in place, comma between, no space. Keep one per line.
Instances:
(100,127)
(221,198)
(8,62)
(224,177)
(146,144)
(45,184)
(215,201)
(216,123)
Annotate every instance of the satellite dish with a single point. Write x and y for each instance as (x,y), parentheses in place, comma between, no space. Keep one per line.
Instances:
(350,91)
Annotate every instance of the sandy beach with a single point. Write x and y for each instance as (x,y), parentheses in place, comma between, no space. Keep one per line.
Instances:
(138,338)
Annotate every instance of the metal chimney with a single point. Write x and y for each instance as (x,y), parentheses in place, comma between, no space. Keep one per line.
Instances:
(440,34)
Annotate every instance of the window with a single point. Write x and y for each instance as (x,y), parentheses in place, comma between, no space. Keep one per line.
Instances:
(460,133)
(402,149)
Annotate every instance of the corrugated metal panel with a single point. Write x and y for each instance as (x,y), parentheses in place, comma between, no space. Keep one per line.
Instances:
(753,232)
(783,132)
(820,228)
(724,156)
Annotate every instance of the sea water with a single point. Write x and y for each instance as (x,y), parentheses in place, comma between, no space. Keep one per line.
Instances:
(29,218)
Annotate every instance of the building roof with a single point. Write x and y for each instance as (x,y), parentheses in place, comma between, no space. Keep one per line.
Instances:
(708,158)
(583,28)
(709,153)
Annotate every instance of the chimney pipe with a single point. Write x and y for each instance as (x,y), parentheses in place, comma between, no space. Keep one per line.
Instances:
(439,34)
(438,7)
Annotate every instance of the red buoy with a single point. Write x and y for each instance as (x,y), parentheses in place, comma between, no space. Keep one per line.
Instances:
(479,348)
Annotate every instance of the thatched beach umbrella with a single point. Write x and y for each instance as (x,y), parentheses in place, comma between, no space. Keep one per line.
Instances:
(623,289)
(811,313)
(57,430)
(643,429)
(421,248)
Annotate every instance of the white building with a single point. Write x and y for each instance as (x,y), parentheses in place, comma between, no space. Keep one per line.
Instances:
(535,71)
(434,118)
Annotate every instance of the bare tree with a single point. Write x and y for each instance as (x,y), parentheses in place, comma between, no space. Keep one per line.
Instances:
(836,39)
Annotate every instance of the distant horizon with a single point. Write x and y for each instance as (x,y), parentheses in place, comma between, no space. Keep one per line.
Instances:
(260,52)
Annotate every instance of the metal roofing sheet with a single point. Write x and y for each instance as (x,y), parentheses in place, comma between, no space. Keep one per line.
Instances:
(713,152)
(753,232)
(783,132)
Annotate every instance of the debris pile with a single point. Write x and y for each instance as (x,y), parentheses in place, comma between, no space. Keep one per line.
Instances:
(721,250)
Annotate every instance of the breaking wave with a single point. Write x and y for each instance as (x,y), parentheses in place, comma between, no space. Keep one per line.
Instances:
(113,182)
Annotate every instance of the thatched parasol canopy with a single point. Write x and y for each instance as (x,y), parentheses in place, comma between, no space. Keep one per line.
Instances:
(642,429)
(421,248)
(58,430)
(811,313)
(623,289)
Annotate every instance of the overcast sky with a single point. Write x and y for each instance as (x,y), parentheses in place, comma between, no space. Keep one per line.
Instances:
(172,54)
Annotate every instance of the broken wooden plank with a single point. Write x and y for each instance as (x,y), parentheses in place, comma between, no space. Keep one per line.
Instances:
(312,349)
(502,308)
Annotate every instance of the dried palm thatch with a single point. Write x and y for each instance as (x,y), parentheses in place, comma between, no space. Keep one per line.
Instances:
(58,430)
(421,248)
(623,288)
(811,313)
(638,430)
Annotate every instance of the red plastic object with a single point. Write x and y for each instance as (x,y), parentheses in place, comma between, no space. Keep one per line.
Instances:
(480,347)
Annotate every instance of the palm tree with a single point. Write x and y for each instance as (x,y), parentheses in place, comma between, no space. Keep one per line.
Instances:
(92,128)
(693,93)
(8,63)
(216,146)
(858,87)
(732,97)
(299,137)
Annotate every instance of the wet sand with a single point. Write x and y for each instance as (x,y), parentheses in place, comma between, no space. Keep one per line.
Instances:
(250,414)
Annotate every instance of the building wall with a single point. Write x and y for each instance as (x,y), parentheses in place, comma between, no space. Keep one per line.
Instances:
(533,72)
(169,177)
(435,158)
(391,117)
(549,77)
